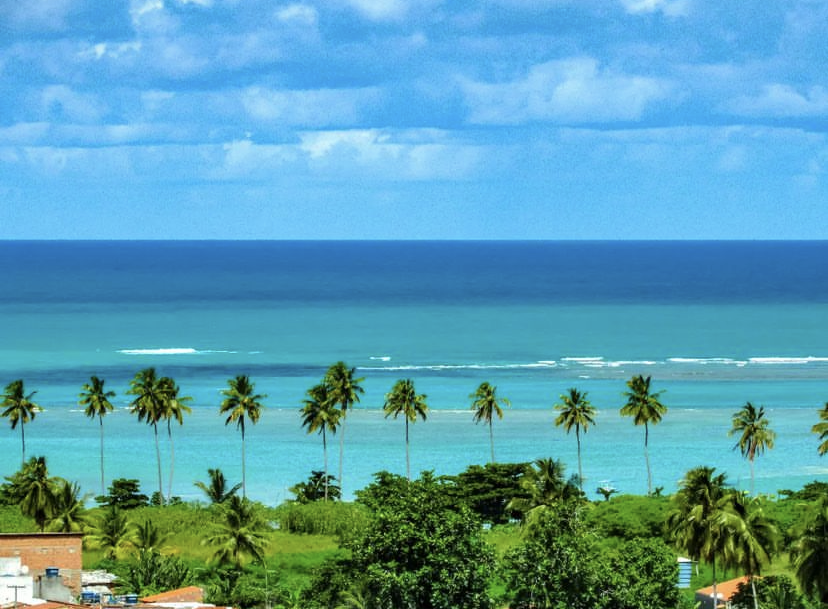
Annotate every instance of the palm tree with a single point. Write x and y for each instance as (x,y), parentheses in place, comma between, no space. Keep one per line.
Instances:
(756,436)
(576,411)
(343,389)
(809,553)
(19,408)
(216,490)
(111,532)
(543,485)
(175,406)
(695,522)
(241,403)
(96,399)
(645,408)
(241,535)
(486,405)
(149,405)
(35,491)
(69,515)
(822,429)
(147,536)
(404,400)
(751,537)
(319,413)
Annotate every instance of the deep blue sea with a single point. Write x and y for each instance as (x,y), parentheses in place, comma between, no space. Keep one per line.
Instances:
(714,323)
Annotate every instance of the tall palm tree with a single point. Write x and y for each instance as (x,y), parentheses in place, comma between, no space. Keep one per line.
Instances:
(19,408)
(96,399)
(809,553)
(343,389)
(241,403)
(319,413)
(486,405)
(241,535)
(174,408)
(822,429)
(645,408)
(755,436)
(751,537)
(217,490)
(403,399)
(576,411)
(695,521)
(151,396)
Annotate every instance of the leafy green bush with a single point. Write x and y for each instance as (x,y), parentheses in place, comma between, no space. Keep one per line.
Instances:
(628,516)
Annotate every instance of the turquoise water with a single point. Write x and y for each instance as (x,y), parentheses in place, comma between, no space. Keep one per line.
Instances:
(714,324)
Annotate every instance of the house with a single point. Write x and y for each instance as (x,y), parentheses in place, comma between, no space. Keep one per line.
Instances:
(52,560)
(724,592)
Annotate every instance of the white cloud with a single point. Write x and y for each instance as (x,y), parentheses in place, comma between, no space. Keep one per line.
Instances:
(381,10)
(671,8)
(300,14)
(572,90)
(315,108)
(110,50)
(41,14)
(783,100)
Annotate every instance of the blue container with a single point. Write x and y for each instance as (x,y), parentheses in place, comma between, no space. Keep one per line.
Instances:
(52,571)
(131,599)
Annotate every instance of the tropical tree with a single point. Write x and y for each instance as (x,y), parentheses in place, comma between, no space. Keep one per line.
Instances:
(240,536)
(319,413)
(19,408)
(241,403)
(821,428)
(695,522)
(404,400)
(149,405)
(576,411)
(645,408)
(217,490)
(486,405)
(343,389)
(809,553)
(96,400)
(174,408)
(33,490)
(751,538)
(148,537)
(543,485)
(111,532)
(755,436)
(69,514)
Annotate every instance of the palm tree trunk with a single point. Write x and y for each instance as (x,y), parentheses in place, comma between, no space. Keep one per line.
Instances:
(23,442)
(172,458)
(751,477)
(580,469)
(407,457)
(753,589)
(103,484)
(341,458)
(715,588)
(491,439)
(325,452)
(244,477)
(158,460)
(647,460)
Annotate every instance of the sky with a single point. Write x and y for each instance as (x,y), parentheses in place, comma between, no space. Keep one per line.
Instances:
(413,119)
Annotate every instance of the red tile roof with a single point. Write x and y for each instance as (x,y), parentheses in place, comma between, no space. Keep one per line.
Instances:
(725,590)
(190,594)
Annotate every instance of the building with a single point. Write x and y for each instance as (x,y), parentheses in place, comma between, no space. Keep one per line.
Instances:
(53,562)
(724,592)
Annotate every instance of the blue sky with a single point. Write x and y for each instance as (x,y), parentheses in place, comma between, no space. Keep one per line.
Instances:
(340,119)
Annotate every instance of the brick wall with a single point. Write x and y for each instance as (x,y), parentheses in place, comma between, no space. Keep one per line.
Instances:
(41,550)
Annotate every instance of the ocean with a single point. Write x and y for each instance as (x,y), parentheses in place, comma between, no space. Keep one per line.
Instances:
(716,324)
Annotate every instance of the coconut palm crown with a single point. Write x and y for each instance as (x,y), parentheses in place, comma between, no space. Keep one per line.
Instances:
(755,436)
(646,409)
(320,414)
(96,398)
(404,400)
(343,390)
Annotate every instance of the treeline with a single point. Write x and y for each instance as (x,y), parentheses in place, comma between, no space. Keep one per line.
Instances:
(516,535)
